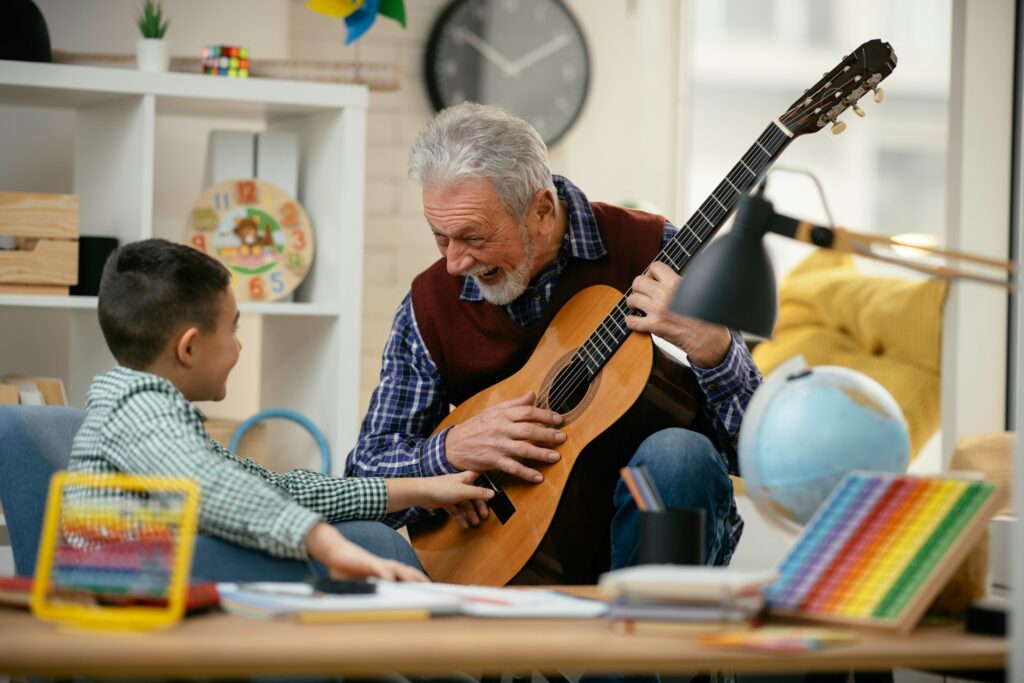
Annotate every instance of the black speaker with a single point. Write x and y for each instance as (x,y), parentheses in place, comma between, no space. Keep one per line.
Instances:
(23,33)
(92,256)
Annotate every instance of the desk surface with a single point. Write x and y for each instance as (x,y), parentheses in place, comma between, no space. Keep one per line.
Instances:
(222,645)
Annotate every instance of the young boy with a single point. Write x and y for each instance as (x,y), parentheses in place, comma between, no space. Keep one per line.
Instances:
(169,317)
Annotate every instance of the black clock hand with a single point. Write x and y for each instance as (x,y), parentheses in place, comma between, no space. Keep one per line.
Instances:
(488,52)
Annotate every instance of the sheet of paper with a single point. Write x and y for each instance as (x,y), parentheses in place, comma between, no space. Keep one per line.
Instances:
(269,599)
(282,599)
(484,601)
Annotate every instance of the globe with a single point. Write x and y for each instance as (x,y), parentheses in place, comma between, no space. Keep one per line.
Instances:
(805,428)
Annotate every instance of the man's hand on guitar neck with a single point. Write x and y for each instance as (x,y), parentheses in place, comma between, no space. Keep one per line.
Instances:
(705,344)
(497,439)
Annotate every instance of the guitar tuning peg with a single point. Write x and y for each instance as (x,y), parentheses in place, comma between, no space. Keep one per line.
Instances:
(879,94)
(838,127)
(858,111)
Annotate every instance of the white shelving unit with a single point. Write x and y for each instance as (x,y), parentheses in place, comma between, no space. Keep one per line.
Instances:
(133,134)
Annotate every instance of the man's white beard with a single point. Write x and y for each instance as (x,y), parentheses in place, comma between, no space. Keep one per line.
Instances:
(512,284)
(509,288)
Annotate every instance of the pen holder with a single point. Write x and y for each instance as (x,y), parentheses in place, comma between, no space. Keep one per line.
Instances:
(672,536)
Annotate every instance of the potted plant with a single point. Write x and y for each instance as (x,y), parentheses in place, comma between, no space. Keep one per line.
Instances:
(151,51)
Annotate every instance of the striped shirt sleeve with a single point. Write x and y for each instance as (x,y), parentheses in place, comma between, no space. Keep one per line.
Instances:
(337,499)
(729,387)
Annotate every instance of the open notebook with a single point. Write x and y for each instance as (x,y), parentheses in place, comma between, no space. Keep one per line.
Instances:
(400,601)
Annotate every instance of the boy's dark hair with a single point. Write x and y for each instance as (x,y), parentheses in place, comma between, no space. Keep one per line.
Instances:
(151,288)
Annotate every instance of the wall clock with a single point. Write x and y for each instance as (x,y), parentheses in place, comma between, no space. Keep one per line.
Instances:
(526,56)
(258,231)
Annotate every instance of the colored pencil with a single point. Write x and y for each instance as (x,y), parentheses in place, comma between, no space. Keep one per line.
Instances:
(627,477)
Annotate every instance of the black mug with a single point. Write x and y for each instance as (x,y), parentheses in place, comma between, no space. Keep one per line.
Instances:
(672,536)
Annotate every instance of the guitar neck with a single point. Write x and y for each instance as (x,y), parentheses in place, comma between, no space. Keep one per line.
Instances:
(720,204)
(691,237)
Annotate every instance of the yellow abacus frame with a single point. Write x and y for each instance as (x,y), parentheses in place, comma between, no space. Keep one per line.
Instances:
(116,617)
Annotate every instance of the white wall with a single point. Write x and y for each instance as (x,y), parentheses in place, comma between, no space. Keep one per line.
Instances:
(623,146)
(109,25)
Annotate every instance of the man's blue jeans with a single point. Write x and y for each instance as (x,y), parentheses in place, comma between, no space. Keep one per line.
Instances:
(688,472)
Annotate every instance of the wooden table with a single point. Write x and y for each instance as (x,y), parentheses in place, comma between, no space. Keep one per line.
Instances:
(222,645)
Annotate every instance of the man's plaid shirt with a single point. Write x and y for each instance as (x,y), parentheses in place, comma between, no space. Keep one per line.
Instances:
(138,423)
(410,401)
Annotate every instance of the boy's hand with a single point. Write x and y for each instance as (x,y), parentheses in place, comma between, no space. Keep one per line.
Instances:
(468,508)
(449,489)
(446,491)
(345,560)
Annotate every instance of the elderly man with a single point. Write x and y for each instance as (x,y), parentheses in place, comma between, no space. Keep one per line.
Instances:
(515,242)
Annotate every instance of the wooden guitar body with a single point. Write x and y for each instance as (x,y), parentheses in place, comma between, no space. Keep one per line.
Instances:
(492,553)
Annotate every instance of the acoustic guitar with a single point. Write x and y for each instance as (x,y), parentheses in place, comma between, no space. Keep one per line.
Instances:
(591,368)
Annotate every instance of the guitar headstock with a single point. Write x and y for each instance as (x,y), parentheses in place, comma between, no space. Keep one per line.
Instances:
(840,89)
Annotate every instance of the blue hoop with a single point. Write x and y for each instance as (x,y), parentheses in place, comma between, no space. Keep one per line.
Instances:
(314,431)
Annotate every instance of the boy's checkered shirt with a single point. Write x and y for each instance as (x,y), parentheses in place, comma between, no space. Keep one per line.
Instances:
(139,423)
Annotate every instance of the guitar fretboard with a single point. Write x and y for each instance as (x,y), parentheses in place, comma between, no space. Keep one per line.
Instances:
(692,235)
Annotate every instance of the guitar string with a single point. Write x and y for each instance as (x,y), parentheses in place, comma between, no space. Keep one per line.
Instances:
(572,382)
(682,242)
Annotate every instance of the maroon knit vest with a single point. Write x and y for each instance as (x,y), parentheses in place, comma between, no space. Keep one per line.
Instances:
(475,344)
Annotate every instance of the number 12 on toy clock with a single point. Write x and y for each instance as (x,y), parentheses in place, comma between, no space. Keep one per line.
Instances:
(247,193)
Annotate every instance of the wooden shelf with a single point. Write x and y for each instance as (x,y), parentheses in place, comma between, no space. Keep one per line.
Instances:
(70,86)
(246,307)
(136,161)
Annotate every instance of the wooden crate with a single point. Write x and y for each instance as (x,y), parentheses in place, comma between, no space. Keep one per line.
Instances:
(45,232)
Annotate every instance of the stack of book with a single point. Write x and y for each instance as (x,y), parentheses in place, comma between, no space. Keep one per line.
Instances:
(676,599)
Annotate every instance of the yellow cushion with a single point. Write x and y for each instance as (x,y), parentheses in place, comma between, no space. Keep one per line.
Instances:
(888,328)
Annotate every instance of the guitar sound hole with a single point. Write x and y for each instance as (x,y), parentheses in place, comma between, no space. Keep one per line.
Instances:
(568,389)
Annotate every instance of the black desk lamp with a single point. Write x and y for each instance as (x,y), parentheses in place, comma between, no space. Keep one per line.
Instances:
(732,283)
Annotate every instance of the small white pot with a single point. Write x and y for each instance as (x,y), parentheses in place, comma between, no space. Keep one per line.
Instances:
(152,54)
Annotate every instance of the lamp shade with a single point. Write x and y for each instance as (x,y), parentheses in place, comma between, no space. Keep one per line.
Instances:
(731,282)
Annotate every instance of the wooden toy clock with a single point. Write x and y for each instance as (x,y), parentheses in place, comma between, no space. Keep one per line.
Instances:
(258,231)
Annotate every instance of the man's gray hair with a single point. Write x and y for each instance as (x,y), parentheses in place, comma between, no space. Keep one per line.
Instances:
(474,141)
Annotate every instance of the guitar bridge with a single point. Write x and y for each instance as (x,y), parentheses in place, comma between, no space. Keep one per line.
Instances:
(500,504)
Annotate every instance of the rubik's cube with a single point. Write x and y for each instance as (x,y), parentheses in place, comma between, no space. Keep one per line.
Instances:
(226,60)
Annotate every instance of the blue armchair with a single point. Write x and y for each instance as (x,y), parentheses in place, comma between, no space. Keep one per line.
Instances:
(35,441)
